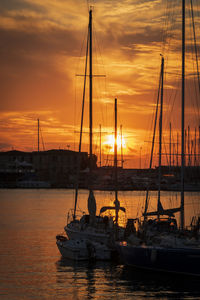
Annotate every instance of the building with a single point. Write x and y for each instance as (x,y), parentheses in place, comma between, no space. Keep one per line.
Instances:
(59,167)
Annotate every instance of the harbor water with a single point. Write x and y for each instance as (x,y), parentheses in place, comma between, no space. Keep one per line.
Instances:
(31,266)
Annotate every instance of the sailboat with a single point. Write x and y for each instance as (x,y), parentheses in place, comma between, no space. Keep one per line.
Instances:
(158,244)
(96,234)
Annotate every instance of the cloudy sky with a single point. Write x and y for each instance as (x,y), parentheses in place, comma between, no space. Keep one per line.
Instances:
(42,49)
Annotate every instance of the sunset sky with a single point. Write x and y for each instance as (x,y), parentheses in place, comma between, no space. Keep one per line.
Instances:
(43,48)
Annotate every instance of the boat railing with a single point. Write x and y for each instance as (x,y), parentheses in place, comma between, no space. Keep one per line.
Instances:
(195,223)
(70,215)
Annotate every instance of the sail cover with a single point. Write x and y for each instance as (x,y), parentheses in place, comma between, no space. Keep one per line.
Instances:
(91,204)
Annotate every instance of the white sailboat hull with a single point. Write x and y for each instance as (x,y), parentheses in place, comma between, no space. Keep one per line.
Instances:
(88,234)
(80,250)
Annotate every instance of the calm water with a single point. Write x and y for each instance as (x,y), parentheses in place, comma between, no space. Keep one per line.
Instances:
(31,266)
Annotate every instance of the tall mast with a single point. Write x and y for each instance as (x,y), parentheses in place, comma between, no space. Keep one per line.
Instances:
(173,153)
(90,85)
(183,116)
(199,148)
(117,204)
(115,150)
(189,148)
(38,135)
(100,144)
(122,160)
(185,148)
(91,198)
(160,133)
(170,145)
(195,147)
(177,150)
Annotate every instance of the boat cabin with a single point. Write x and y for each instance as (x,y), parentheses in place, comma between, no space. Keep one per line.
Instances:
(162,224)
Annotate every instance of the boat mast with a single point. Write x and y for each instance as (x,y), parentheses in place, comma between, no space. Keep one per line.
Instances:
(100,145)
(160,134)
(90,85)
(183,116)
(177,150)
(189,148)
(38,135)
(91,198)
(122,160)
(195,147)
(117,204)
(199,147)
(170,145)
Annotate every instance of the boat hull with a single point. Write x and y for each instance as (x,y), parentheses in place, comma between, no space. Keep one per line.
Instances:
(72,253)
(173,260)
(89,234)
(80,250)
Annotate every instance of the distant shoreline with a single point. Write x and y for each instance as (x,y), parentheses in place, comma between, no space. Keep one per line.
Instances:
(187,189)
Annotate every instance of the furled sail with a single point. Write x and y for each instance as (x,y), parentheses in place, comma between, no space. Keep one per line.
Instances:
(91,204)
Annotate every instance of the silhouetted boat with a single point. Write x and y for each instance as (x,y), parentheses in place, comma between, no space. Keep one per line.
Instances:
(158,244)
(97,231)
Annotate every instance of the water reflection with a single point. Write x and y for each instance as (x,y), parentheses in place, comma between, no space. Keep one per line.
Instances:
(94,280)
(161,285)
(107,280)
(29,265)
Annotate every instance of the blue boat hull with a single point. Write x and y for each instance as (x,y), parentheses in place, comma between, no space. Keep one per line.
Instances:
(174,260)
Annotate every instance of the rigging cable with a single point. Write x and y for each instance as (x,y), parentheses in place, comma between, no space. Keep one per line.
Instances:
(153,140)
(81,129)
(196,52)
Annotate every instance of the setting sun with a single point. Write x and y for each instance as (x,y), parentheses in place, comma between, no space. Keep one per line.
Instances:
(110,141)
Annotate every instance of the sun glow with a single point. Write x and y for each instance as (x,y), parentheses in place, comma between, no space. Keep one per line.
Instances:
(110,142)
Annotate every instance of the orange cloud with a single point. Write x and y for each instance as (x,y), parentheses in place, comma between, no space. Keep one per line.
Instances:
(43,48)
